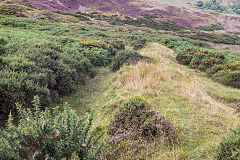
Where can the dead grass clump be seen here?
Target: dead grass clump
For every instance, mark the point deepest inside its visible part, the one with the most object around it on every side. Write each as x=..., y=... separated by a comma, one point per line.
x=135, y=120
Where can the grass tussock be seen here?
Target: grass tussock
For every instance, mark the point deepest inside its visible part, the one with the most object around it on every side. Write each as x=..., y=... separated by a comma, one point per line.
x=142, y=75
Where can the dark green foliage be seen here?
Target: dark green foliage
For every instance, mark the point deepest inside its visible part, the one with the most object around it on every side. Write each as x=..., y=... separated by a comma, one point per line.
x=185, y=56
x=49, y=134
x=229, y=75
x=135, y=119
x=137, y=42
x=97, y=56
x=126, y=57
x=229, y=148
x=147, y=21
x=115, y=46
x=220, y=5
x=213, y=63
x=20, y=87
x=11, y=10
x=213, y=27
x=214, y=69
x=46, y=69
x=205, y=59
x=113, y=22
x=3, y=42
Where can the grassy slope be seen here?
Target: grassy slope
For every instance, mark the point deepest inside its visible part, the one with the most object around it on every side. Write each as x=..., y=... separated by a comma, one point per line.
x=195, y=104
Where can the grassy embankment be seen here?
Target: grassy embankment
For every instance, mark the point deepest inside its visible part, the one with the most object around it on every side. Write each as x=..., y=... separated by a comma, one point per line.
x=198, y=107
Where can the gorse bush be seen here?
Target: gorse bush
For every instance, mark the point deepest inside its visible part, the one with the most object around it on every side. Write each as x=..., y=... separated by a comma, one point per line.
x=200, y=59
x=3, y=42
x=229, y=148
x=45, y=69
x=19, y=87
x=97, y=56
x=213, y=63
x=228, y=74
x=205, y=59
x=49, y=134
x=185, y=56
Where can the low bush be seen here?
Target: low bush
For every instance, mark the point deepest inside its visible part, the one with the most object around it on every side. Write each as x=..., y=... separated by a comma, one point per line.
x=185, y=56
x=135, y=119
x=20, y=87
x=97, y=56
x=49, y=134
x=229, y=75
x=44, y=69
x=214, y=69
x=3, y=42
x=126, y=57
x=213, y=27
x=229, y=148
x=213, y=63
x=205, y=59
x=137, y=42
x=11, y=10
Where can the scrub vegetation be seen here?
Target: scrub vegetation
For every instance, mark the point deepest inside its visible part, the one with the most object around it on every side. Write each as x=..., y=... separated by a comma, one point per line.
x=93, y=86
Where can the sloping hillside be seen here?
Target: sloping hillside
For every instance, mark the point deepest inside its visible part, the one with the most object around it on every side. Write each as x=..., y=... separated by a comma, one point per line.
x=185, y=16
x=136, y=89
x=192, y=103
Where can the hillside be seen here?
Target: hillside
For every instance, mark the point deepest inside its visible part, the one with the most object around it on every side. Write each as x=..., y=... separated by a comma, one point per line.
x=182, y=13
x=224, y=6
x=116, y=83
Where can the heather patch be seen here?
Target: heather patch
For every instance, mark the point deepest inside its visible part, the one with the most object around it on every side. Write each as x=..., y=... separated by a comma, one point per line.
x=136, y=120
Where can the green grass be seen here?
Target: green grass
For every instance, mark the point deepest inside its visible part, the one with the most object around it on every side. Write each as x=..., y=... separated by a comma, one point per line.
x=200, y=121
x=199, y=108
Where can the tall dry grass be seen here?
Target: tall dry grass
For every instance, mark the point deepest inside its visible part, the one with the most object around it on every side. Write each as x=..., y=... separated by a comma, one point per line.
x=142, y=75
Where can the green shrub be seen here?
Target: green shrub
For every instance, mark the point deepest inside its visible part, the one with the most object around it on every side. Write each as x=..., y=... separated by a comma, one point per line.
x=213, y=27
x=126, y=57
x=229, y=148
x=3, y=42
x=185, y=56
x=229, y=75
x=19, y=87
x=115, y=46
x=205, y=59
x=137, y=42
x=214, y=69
x=49, y=134
x=46, y=69
x=135, y=119
x=97, y=56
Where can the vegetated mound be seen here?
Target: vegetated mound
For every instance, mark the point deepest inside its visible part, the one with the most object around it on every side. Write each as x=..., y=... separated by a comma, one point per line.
x=137, y=121
x=126, y=57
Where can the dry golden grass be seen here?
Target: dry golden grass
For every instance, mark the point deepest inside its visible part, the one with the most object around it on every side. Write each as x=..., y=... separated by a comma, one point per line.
x=142, y=75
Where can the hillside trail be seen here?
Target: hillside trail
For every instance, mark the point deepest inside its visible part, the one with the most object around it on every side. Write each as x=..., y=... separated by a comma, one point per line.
x=187, y=82
x=86, y=95
x=178, y=92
